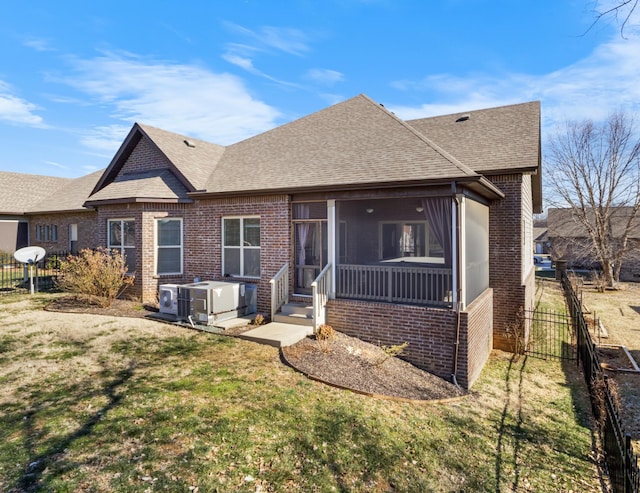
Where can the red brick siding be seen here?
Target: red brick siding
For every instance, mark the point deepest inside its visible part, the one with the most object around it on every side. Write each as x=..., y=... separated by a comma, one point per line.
x=513, y=288
x=87, y=230
x=144, y=157
x=478, y=336
x=203, y=239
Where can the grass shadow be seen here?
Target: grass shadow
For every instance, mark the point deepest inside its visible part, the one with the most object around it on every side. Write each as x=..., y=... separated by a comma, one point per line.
x=31, y=479
x=518, y=368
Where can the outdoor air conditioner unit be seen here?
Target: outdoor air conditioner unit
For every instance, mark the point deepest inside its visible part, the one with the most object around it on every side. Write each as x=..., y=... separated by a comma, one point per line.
x=168, y=299
x=208, y=302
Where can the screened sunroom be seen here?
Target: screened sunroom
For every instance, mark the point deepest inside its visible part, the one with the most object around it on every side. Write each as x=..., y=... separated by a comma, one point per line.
x=396, y=250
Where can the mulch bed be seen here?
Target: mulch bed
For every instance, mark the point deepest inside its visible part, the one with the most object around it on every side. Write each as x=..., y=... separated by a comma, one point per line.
x=348, y=362
x=83, y=304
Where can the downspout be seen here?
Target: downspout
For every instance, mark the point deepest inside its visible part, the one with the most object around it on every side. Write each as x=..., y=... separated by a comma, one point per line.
x=456, y=346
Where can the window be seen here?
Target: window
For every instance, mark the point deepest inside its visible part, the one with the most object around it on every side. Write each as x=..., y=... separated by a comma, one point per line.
x=241, y=246
x=122, y=237
x=169, y=246
x=73, y=238
x=47, y=232
x=399, y=240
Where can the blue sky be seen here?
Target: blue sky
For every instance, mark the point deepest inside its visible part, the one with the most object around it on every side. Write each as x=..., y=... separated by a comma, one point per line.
x=75, y=75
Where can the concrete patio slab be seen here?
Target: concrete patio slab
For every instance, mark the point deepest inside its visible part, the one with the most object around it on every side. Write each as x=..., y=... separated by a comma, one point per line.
x=277, y=334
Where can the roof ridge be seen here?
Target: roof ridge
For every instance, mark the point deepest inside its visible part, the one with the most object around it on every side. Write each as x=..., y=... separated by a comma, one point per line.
x=144, y=127
x=489, y=108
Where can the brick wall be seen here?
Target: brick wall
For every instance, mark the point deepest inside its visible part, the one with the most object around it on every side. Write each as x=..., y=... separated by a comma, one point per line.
x=203, y=239
x=144, y=157
x=430, y=332
x=478, y=318
x=87, y=230
x=510, y=276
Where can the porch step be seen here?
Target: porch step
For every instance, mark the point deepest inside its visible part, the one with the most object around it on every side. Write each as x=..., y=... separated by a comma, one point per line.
x=295, y=313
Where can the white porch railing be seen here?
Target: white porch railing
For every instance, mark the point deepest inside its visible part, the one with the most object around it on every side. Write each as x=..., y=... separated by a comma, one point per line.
x=395, y=284
x=279, y=289
x=320, y=294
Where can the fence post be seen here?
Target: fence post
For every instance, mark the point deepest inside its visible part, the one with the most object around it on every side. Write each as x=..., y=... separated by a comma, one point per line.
x=628, y=473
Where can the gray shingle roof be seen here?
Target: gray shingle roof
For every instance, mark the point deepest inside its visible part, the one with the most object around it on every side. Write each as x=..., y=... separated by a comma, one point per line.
x=489, y=140
x=20, y=192
x=356, y=142
x=69, y=197
x=157, y=184
x=193, y=158
x=492, y=141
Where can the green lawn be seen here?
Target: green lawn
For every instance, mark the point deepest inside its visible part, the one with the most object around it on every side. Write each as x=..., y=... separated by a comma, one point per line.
x=129, y=405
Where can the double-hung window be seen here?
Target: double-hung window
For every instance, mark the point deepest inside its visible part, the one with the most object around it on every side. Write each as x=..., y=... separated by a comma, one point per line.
x=241, y=246
x=169, y=246
x=122, y=237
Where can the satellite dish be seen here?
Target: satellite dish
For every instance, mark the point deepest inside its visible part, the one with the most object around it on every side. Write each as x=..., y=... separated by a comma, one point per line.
x=30, y=254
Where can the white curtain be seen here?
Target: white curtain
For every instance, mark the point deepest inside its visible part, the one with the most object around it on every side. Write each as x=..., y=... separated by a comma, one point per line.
x=302, y=212
x=438, y=213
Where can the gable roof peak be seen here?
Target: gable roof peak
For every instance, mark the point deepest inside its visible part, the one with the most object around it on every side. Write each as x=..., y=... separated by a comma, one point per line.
x=191, y=160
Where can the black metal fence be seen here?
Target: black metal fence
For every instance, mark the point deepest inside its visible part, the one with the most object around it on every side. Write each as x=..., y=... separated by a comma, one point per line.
x=16, y=276
x=550, y=335
x=622, y=462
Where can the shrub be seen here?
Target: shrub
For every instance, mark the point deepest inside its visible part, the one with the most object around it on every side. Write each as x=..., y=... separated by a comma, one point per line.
x=515, y=331
x=100, y=274
x=324, y=336
x=390, y=352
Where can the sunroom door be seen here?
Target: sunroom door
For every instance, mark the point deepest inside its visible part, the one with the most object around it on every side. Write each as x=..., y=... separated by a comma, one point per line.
x=310, y=253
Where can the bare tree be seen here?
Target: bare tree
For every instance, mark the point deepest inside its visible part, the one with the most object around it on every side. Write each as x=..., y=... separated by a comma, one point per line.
x=594, y=170
x=621, y=10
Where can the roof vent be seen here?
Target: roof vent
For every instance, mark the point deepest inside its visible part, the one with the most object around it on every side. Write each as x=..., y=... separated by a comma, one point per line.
x=188, y=143
x=463, y=118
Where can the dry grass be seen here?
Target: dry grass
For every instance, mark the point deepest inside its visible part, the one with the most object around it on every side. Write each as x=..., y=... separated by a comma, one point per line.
x=619, y=311
x=97, y=403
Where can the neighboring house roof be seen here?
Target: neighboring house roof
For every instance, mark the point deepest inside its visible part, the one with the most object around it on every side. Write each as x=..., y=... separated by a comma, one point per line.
x=19, y=192
x=70, y=197
x=540, y=234
x=352, y=144
x=561, y=223
x=492, y=141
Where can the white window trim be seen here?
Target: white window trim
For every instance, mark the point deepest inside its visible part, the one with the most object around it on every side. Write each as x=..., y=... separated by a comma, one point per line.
x=157, y=247
x=121, y=221
x=241, y=247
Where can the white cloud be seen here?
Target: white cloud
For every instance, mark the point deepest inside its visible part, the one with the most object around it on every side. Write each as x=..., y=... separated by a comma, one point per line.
x=56, y=165
x=267, y=40
x=182, y=98
x=16, y=110
x=105, y=140
x=325, y=76
x=38, y=44
x=605, y=81
x=285, y=39
x=242, y=62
